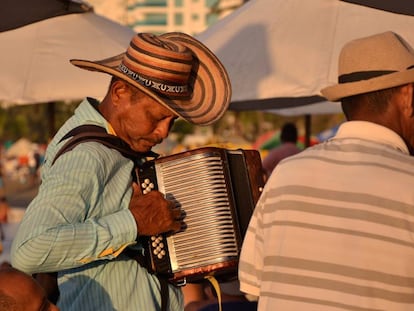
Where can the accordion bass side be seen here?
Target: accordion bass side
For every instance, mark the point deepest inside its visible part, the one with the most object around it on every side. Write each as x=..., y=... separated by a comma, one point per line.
x=217, y=189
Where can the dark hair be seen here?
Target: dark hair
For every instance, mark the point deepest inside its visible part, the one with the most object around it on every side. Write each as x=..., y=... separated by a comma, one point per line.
x=375, y=102
x=289, y=133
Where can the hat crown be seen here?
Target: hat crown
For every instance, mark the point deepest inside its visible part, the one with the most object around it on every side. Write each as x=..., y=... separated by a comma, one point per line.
x=176, y=70
x=382, y=52
x=373, y=63
x=162, y=65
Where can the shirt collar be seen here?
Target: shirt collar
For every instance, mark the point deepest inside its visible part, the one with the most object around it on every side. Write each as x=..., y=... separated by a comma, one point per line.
x=371, y=131
x=111, y=129
x=94, y=103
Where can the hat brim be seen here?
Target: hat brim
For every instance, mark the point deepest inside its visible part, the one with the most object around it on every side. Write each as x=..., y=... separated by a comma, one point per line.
x=211, y=85
x=338, y=91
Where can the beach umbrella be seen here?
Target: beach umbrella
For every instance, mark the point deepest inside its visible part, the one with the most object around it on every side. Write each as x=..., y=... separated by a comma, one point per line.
x=271, y=140
x=35, y=52
x=280, y=53
x=39, y=37
x=21, y=147
x=265, y=138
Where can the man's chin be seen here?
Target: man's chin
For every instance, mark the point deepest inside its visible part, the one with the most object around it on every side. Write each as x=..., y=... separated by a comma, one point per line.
x=144, y=147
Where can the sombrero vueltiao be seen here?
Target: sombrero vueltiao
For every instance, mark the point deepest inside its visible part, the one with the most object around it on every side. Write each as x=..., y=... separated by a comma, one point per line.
x=372, y=63
x=176, y=70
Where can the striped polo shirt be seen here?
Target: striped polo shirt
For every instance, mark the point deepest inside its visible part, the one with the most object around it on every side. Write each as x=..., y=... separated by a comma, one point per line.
x=334, y=227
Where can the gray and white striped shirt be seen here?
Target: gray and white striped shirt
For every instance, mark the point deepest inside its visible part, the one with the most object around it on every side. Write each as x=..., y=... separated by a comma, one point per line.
x=334, y=228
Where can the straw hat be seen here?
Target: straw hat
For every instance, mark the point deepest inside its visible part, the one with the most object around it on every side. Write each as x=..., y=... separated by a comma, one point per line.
x=370, y=64
x=176, y=70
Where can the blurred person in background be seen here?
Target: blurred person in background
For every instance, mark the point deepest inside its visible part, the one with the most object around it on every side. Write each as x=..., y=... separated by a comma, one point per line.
x=4, y=206
x=288, y=147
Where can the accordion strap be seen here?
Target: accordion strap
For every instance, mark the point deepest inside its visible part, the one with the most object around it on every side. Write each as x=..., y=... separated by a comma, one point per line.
x=90, y=132
x=164, y=292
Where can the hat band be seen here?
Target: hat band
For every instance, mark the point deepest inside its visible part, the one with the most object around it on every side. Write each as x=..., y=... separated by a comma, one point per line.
x=362, y=75
x=365, y=75
x=160, y=87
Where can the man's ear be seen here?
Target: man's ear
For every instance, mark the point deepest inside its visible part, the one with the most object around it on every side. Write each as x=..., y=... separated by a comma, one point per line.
x=119, y=91
x=404, y=100
x=409, y=93
x=411, y=99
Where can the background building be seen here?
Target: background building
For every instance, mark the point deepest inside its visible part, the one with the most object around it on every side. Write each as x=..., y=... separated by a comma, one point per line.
x=160, y=16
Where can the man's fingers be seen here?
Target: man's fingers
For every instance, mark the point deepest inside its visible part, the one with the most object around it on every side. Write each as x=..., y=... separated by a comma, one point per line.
x=177, y=213
x=136, y=188
x=154, y=213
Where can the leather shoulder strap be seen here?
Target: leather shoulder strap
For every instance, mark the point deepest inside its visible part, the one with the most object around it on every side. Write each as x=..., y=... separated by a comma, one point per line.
x=89, y=132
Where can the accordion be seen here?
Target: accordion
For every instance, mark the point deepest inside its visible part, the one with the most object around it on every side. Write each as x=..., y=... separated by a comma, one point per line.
x=217, y=189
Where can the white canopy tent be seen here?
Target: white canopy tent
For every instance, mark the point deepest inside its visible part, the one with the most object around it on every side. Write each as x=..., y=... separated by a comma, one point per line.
x=280, y=53
x=35, y=58
x=36, y=48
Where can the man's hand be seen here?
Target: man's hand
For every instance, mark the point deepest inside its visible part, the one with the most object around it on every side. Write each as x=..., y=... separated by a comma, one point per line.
x=153, y=213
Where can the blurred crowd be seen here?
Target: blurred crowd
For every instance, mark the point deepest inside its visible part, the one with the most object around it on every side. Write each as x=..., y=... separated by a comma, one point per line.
x=21, y=160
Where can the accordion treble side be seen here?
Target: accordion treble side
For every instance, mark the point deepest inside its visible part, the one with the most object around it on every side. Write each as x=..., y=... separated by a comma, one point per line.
x=217, y=189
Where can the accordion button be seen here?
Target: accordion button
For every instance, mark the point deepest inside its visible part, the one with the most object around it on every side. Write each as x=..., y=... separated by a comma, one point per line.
x=161, y=245
x=147, y=181
x=159, y=256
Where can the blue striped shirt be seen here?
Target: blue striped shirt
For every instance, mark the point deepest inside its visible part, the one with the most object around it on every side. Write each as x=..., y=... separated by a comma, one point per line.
x=79, y=223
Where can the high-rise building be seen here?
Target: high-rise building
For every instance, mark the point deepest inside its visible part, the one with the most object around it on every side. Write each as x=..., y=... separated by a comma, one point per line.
x=159, y=16
x=223, y=7
x=112, y=9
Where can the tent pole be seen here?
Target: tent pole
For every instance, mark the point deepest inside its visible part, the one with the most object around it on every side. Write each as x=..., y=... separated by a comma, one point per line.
x=307, y=130
x=51, y=118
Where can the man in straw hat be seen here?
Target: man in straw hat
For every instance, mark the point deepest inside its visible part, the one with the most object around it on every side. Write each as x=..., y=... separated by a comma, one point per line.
x=88, y=214
x=333, y=229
